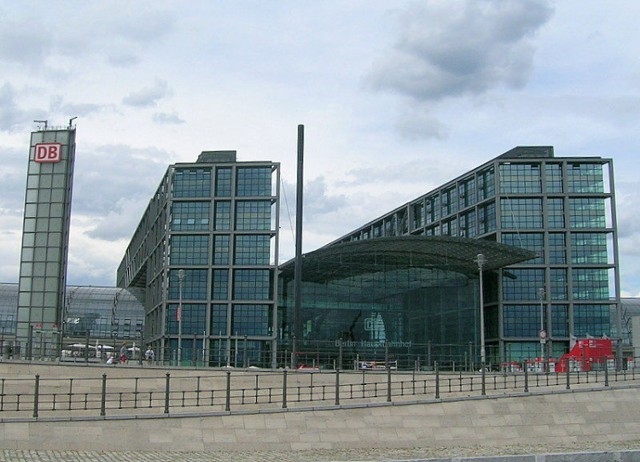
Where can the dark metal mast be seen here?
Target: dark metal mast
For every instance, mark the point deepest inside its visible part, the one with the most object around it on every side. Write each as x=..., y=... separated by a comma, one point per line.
x=297, y=321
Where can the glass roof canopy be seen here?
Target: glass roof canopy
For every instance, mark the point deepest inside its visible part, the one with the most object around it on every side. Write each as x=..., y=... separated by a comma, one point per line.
x=388, y=253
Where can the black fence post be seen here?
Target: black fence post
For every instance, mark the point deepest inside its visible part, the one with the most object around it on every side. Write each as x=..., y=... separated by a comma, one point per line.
x=227, y=404
x=103, y=396
x=30, y=343
x=257, y=389
x=167, y=393
x=526, y=377
x=337, y=387
x=413, y=382
x=606, y=374
x=484, y=381
x=388, y=382
x=435, y=366
x=36, y=395
x=284, y=389
x=568, y=364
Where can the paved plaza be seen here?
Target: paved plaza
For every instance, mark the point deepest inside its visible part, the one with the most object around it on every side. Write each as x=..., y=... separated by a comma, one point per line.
x=587, y=451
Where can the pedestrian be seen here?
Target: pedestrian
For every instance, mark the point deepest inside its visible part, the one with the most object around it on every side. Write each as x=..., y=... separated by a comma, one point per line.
x=123, y=354
x=149, y=355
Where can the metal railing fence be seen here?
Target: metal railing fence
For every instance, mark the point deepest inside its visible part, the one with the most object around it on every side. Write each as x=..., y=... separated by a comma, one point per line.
x=246, y=390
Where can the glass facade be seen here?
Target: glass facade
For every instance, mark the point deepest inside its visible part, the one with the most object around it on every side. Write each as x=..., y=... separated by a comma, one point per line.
x=107, y=315
x=560, y=208
x=413, y=297
x=210, y=283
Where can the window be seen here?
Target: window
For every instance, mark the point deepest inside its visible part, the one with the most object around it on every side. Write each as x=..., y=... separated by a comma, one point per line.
x=254, y=181
x=223, y=182
x=222, y=215
x=252, y=285
x=252, y=250
x=390, y=226
x=218, y=319
x=557, y=249
x=559, y=320
x=417, y=212
x=554, y=178
x=585, y=178
x=555, y=213
x=487, y=218
x=467, y=223
x=524, y=286
x=253, y=215
x=590, y=284
x=520, y=178
x=192, y=182
x=529, y=241
x=592, y=320
x=558, y=281
x=521, y=320
x=221, y=249
x=193, y=317
x=220, y=285
x=467, y=193
x=433, y=208
x=189, y=250
x=521, y=213
x=251, y=320
x=486, y=186
x=587, y=213
x=449, y=201
x=194, y=284
x=589, y=248
x=190, y=216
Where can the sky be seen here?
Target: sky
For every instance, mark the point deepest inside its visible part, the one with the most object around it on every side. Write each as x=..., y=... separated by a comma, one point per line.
x=397, y=97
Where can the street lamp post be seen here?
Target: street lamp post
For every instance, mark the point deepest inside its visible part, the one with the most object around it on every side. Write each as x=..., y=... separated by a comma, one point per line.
x=481, y=260
x=180, y=281
x=543, y=334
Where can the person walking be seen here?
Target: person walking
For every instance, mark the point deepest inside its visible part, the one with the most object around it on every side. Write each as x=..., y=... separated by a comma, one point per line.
x=149, y=355
x=123, y=353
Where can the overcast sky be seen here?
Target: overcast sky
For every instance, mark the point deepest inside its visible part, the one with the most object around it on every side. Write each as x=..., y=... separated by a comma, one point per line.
x=397, y=97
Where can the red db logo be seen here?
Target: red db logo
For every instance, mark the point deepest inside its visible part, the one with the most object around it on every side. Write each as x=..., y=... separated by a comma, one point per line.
x=48, y=152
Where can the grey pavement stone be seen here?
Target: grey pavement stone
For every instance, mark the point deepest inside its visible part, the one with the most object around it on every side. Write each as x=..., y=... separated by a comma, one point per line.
x=316, y=455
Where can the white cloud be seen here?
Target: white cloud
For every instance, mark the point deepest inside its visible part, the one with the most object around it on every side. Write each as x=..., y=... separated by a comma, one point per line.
x=167, y=118
x=149, y=96
x=461, y=47
x=11, y=116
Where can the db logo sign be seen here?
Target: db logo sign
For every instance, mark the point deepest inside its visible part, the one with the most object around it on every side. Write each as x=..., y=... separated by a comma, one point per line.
x=48, y=152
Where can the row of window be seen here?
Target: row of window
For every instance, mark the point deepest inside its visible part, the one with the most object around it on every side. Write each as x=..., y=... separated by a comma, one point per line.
x=194, y=216
x=191, y=250
x=196, y=182
x=588, y=284
x=246, y=284
x=586, y=248
x=526, y=320
x=245, y=319
x=528, y=213
x=519, y=178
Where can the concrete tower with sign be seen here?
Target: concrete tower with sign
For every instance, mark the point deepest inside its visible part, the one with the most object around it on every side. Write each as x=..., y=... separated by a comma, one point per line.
x=45, y=240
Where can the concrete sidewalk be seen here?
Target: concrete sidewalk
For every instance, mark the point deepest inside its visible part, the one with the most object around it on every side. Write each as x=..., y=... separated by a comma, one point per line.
x=360, y=455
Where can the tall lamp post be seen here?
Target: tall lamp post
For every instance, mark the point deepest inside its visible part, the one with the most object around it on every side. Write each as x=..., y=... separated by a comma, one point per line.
x=481, y=260
x=179, y=315
x=543, y=333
